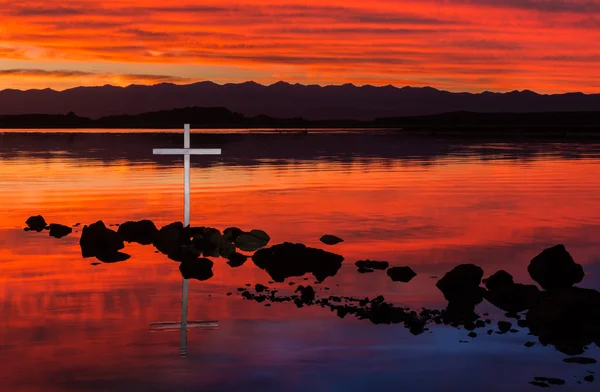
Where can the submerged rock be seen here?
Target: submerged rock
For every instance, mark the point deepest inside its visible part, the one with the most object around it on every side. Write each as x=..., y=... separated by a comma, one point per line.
x=200, y=269
x=555, y=269
x=59, y=231
x=99, y=241
x=249, y=242
x=363, y=270
x=143, y=232
x=286, y=260
x=113, y=257
x=36, y=223
x=401, y=274
x=372, y=264
x=329, y=239
x=550, y=380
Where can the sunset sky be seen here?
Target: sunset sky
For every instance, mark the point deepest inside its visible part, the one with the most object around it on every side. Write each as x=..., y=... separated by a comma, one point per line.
x=549, y=46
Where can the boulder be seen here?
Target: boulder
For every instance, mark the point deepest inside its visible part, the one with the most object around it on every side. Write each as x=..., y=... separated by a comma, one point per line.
x=143, y=232
x=498, y=280
x=171, y=237
x=230, y=234
x=401, y=274
x=36, y=223
x=236, y=259
x=249, y=242
x=288, y=259
x=59, y=231
x=461, y=284
x=184, y=253
x=113, y=257
x=329, y=239
x=372, y=264
x=200, y=269
x=555, y=269
x=568, y=318
x=509, y=296
x=99, y=241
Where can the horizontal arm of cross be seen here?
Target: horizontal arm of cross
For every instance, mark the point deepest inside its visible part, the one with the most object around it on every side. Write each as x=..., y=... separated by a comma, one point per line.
x=186, y=151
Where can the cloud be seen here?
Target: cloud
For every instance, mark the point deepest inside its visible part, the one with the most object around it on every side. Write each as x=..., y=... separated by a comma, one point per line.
x=80, y=74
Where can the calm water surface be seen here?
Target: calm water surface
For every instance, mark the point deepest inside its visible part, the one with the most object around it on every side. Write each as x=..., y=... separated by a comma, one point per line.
x=66, y=325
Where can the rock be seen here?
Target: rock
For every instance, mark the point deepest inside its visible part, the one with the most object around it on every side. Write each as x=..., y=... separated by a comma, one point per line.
x=401, y=274
x=362, y=270
x=498, y=280
x=200, y=269
x=59, y=231
x=529, y=344
x=260, y=288
x=286, y=260
x=472, y=334
x=99, y=241
x=513, y=298
x=504, y=326
x=372, y=264
x=550, y=380
x=230, y=234
x=539, y=384
x=171, y=237
x=555, y=269
x=36, y=223
x=249, y=242
x=307, y=294
x=226, y=249
x=184, y=253
x=328, y=239
x=580, y=360
x=569, y=319
x=261, y=235
x=143, y=232
x=461, y=284
x=208, y=240
x=113, y=257
x=236, y=259
x=589, y=378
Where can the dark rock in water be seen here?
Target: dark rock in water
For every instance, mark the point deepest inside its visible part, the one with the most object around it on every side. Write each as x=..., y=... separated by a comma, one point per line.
x=539, y=384
x=200, y=269
x=208, y=240
x=529, y=344
x=99, y=241
x=36, y=223
x=260, y=288
x=236, y=259
x=184, y=253
x=372, y=264
x=498, y=280
x=504, y=326
x=307, y=294
x=59, y=231
x=569, y=319
x=143, y=232
x=362, y=270
x=171, y=237
x=329, y=239
x=589, y=378
x=113, y=257
x=580, y=360
x=550, y=380
x=401, y=274
x=513, y=298
x=95, y=263
x=226, y=249
x=286, y=260
x=554, y=269
x=472, y=334
x=249, y=242
x=230, y=234
x=461, y=284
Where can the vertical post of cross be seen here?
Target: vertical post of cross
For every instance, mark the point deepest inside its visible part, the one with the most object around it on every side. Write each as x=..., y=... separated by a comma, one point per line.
x=186, y=223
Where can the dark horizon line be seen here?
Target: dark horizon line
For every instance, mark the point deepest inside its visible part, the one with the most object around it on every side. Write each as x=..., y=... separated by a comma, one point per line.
x=281, y=82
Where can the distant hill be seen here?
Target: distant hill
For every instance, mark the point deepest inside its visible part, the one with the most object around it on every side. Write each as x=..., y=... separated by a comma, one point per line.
x=219, y=117
x=285, y=100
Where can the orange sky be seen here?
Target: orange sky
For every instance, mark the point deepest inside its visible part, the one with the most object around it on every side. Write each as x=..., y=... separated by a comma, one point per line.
x=457, y=45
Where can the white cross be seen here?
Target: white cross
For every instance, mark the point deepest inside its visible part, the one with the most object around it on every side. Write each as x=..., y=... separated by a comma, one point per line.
x=186, y=151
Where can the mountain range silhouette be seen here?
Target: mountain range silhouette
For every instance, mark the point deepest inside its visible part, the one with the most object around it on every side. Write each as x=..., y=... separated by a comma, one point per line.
x=284, y=100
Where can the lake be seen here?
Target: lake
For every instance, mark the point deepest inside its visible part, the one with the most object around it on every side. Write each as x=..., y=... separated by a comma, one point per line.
x=68, y=325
